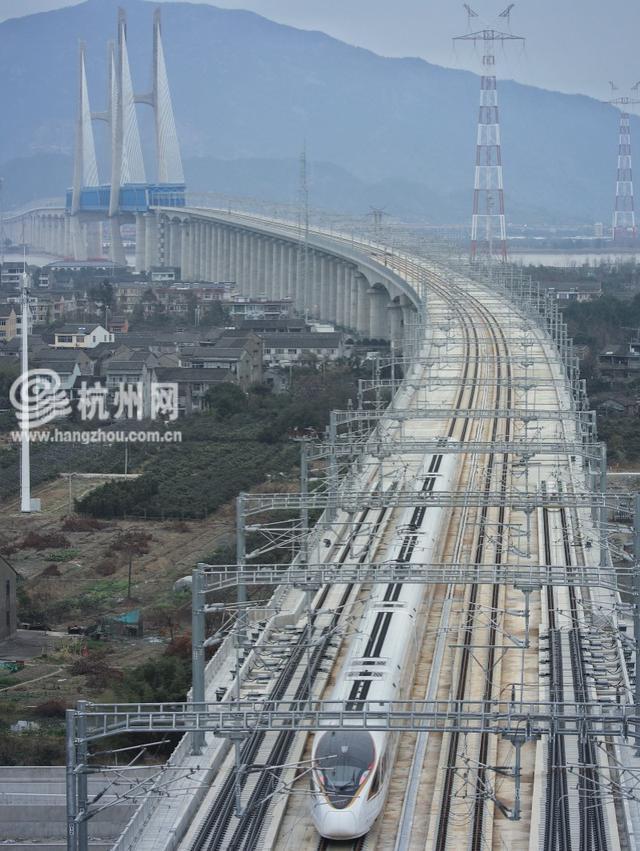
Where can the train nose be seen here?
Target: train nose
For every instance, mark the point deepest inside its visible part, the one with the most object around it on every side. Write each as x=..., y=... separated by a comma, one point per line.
x=337, y=825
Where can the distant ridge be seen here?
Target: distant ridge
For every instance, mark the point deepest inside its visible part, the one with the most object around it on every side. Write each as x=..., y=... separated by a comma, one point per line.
x=394, y=132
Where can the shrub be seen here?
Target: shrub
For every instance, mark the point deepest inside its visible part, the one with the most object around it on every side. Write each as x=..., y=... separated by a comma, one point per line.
x=74, y=523
x=180, y=646
x=179, y=526
x=98, y=672
x=106, y=567
x=50, y=709
x=133, y=540
x=63, y=555
x=44, y=540
x=51, y=570
x=166, y=679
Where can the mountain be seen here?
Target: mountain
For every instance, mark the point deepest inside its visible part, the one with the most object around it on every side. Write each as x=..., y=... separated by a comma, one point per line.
x=248, y=91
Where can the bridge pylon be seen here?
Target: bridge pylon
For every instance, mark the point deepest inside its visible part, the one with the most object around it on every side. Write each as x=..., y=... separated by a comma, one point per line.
x=129, y=194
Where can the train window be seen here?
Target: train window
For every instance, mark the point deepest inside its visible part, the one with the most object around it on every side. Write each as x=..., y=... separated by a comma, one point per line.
x=375, y=783
x=343, y=761
x=378, y=780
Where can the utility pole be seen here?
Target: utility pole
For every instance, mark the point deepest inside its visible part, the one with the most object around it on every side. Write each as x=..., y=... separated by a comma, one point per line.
x=377, y=214
x=303, y=218
x=25, y=444
x=2, y=236
x=488, y=222
x=624, y=217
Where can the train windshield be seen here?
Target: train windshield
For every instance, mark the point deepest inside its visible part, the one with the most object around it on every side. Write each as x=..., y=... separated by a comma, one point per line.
x=343, y=761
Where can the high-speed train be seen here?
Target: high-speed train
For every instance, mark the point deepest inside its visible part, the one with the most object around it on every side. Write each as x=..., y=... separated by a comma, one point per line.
x=351, y=770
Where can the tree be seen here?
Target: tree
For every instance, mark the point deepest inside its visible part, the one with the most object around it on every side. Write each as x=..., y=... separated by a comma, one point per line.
x=215, y=316
x=226, y=399
x=132, y=543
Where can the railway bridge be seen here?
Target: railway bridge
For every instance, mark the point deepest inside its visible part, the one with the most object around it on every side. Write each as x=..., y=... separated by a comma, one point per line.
x=451, y=593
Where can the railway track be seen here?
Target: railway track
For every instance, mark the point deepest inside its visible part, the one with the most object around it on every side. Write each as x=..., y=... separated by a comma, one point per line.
x=222, y=832
x=561, y=832
x=222, y=829
x=350, y=845
x=441, y=843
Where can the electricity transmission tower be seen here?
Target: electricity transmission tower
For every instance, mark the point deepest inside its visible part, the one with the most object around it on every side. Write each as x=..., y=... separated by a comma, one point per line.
x=488, y=223
x=624, y=217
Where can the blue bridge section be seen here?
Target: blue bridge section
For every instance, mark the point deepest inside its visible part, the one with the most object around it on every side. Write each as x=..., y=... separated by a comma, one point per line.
x=134, y=197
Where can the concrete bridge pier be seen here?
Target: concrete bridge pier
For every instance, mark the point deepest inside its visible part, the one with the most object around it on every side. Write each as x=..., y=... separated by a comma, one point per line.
x=244, y=261
x=378, y=299
x=363, y=310
x=93, y=239
x=117, y=248
x=80, y=249
x=210, y=253
x=68, y=238
x=254, y=264
x=185, y=259
x=409, y=319
x=237, y=254
x=325, y=283
x=351, y=315
x=141, y=240
x=217, y=253
x=151, y=240
x=395, y=322
x=175, y=245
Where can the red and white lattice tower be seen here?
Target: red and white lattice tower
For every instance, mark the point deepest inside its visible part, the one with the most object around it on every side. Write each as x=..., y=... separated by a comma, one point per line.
x=624, y=216
x=488, y=224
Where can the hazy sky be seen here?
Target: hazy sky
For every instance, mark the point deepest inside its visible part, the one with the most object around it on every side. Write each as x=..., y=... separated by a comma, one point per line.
x=572, y=45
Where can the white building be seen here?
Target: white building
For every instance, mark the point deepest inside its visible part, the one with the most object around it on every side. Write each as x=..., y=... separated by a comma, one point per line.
x=82, y=336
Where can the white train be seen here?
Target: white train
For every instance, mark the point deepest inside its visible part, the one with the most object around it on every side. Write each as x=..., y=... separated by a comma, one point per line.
x=351, y=770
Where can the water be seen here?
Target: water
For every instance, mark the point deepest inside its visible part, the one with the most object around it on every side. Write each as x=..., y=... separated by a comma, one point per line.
x=568, y=260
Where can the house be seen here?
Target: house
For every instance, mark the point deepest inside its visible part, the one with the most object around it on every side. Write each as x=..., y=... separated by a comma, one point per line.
x=89, y=271
x=165, y=274
x=16, y=300
x=118, y=325
x=11, y=274
x=620, y=361
x=287, y=349
x=8, y=600
x=577, y=291
x=70, y=364
x=129, y=294
x=618, y=406
x=81, y=336
x=47, y=308
x=238, y=352
x=289, y=325
x=8, y=323
x=132, y=374
x=193, y=385
x=242, y=308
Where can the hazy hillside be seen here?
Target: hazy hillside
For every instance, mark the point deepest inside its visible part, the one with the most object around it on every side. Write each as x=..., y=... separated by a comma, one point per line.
x=397, y=132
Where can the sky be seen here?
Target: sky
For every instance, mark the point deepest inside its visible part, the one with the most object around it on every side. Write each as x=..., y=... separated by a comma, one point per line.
x=571, y=46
